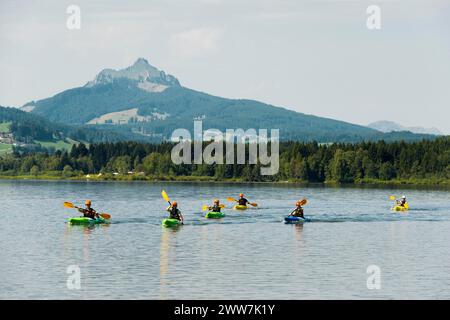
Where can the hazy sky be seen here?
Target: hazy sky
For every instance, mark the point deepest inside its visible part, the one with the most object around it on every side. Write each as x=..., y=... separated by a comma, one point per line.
x=316, y=56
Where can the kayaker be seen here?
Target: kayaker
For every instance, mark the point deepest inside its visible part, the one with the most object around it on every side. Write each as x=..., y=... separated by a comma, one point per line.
x=175, y=213
x=89, y=212
x=402, y=202
x=215, y=207
x=242, y=201
x=298, y=211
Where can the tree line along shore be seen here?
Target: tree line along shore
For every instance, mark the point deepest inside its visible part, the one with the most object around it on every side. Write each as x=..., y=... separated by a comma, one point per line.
x=426, y=162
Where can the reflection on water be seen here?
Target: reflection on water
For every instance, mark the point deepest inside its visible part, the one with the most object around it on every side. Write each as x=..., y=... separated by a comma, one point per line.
x=247, y=255
x=85, y=232
x=167, y=256
x=298, y=231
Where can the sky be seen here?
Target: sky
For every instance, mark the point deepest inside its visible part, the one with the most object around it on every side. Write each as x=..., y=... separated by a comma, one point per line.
x=312, y=56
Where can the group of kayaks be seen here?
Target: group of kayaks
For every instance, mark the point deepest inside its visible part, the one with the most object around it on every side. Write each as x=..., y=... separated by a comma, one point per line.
x=209, y=215
x=400, y=206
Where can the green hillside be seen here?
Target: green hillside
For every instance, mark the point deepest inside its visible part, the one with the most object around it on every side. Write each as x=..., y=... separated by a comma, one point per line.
x=5, y=127
x=5, y=148
x=29, y=128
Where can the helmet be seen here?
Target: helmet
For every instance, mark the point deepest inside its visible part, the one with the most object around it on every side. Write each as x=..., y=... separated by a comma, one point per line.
x=241, y=195
x=298, y=203
x=216, y=201
x=174, y=204
x=87, y=202
x=403, y=197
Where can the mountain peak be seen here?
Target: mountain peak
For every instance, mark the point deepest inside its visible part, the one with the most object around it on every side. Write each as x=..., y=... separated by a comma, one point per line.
x=391, y=126
x=141, y=61
x=146, y=76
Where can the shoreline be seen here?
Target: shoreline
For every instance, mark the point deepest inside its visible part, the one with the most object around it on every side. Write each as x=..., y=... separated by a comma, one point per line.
x=427, y=183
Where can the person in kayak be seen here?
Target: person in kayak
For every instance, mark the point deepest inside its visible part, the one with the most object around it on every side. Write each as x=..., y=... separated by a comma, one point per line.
x=298, y=211
x=89, y=212
x=174, y=212
x=402, y=202
x=242, y=201
x=215, y=207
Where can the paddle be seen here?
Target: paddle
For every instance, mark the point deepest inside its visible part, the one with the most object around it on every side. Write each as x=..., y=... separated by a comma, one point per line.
x=392, y=198
x=166, y=198
x=206, y=207
x=72, y=206
x=233, y=199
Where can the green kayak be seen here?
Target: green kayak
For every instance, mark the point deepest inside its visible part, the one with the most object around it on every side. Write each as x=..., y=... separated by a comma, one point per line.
x=86, y=221
x=171, y=222
x=214, y=215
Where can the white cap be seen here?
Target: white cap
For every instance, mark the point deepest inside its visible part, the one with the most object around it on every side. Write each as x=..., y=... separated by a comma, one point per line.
x=403, y=197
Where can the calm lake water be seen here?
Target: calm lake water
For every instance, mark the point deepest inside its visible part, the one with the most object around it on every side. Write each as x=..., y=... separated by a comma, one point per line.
x=246, y=255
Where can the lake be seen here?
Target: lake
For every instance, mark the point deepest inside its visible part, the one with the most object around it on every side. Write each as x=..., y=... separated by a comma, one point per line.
x=247, y=255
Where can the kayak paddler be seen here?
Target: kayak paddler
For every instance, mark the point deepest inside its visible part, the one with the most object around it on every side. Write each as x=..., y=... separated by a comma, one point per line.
x=242, y=201
x=89, y=212
x=402, y=201
x=174, y=212
x=215, y=207
x=298, y=211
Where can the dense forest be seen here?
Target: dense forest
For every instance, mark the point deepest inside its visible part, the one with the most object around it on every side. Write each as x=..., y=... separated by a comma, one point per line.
x=416, y=162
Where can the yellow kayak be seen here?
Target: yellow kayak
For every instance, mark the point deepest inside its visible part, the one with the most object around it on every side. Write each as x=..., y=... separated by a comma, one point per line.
x=239, y=207
x=400, y=208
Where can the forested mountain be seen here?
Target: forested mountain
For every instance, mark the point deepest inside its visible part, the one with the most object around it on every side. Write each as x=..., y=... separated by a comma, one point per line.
x=142, y=101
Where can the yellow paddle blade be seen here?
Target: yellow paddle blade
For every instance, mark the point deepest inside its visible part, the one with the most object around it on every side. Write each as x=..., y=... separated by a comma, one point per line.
x=165, y=196
x=392, y=198
x=222, y=206
x=105, y=215
x=68, y=205
x=231, y=199
x=254, y=204
x=406, y=205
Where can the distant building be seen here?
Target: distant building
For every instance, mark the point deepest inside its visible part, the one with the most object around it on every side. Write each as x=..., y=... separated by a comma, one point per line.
x=6, y=138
